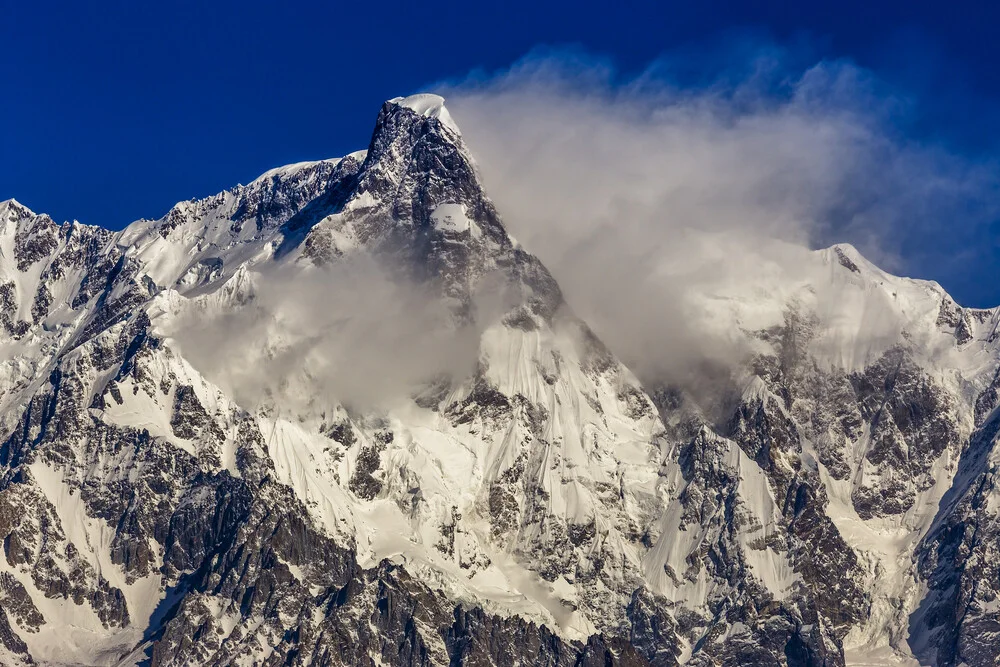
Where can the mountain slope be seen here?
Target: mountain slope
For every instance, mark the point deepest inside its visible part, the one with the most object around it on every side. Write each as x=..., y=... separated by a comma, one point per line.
x=339, y=416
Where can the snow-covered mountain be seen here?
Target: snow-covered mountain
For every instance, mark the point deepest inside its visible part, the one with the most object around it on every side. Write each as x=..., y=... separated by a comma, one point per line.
x=194, y=471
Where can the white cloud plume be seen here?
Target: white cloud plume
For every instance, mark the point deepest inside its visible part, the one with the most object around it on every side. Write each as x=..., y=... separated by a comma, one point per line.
x=347, y=332
x=643, y=196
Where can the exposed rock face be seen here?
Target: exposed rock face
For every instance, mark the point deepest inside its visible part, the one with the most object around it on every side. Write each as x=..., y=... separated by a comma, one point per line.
x=957, y=621
x=538, y=508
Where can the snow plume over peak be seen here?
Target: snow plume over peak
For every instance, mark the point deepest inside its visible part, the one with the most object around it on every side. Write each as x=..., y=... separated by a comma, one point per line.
x=674, y=194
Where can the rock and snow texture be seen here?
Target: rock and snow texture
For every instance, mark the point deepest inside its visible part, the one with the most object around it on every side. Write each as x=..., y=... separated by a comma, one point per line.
x=536, y=505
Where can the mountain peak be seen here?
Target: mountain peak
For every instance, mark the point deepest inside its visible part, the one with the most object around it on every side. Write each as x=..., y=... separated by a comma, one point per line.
x=850, y=258
x=14, y=205
x=427, y=105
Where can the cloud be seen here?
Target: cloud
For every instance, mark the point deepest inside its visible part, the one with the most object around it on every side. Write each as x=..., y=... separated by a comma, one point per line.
x=347, y=332
x=645, y=195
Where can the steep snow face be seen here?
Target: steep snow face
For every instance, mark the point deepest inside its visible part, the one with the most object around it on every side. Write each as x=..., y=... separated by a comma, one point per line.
x=860, y=393
x=524, y=486
x=531, y=505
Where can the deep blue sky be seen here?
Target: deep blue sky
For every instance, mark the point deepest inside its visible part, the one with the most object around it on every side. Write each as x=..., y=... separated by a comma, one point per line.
x=113, y=111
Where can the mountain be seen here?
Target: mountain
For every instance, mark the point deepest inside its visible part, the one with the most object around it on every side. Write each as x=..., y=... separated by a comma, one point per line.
x=340, y=416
